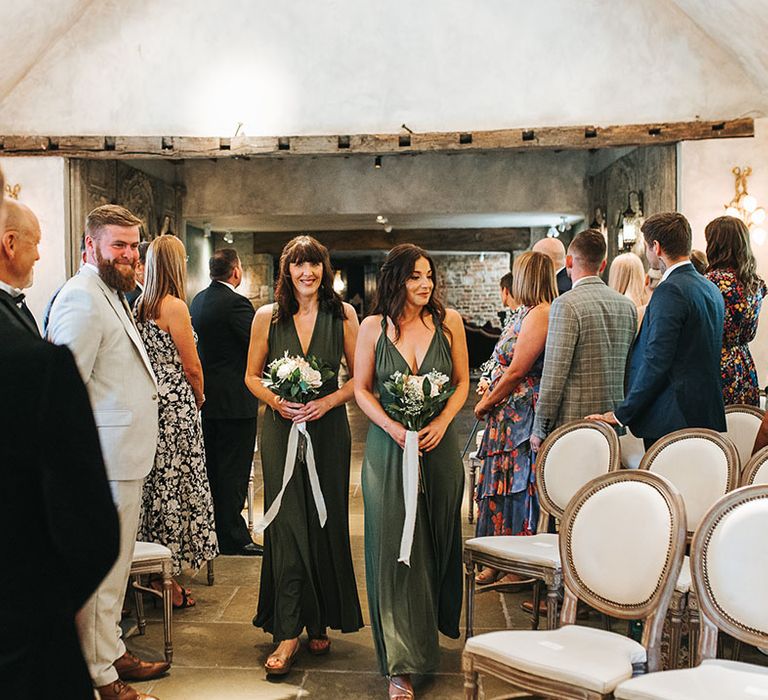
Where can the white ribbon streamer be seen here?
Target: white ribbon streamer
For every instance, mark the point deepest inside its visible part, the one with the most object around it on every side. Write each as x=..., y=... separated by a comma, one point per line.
x=410, y=493
x=288, y=469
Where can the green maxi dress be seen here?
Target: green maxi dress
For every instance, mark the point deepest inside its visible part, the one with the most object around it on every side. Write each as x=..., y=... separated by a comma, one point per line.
x=408, y=605
x=307, y=578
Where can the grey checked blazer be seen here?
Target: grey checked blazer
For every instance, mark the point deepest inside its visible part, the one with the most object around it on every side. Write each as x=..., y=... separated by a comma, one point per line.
x=591, y=329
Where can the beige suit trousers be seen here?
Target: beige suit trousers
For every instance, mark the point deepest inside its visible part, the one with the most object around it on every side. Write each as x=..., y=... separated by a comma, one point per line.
x=99, y=619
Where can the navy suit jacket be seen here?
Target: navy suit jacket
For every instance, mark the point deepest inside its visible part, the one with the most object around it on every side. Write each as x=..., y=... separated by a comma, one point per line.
x=674, y=371
x=564, y=283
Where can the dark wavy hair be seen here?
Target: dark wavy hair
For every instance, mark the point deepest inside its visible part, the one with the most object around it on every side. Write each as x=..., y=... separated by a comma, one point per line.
x=729, y=248
x=300, y=250
x=390, y=290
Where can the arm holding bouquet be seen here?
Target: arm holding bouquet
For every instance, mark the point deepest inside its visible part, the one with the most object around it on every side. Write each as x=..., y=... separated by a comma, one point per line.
x=530, y=345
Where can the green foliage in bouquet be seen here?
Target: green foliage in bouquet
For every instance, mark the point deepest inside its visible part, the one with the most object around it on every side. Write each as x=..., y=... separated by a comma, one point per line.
x=296, y=378
x=418, y=398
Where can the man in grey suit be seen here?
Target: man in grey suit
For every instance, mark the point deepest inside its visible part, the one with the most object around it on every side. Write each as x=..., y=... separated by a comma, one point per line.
x=590, y=334
x=90, y=316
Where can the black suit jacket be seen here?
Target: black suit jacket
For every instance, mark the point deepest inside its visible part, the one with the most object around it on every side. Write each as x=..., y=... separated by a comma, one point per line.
x=222, y=319
x=14, y=316
x=133, y=295
x=674, y=371
x=59, y=524
x=564, y=283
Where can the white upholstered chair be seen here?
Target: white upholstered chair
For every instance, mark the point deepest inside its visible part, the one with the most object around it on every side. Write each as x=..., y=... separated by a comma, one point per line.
x=756, y=469
x=703, y=465
x=150, y=558
x=474, y=464
x=572, y=455
x=742, y=423
x=619, y=568
x=726, y=542
x=632, y=450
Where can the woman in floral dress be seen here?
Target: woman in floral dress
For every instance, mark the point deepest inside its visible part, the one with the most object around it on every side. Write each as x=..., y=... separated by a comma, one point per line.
x=176, y=508
x=732, y=268
x=506, y=496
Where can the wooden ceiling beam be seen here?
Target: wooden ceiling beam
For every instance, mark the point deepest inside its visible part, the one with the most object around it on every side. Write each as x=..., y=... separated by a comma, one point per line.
x=553, y=138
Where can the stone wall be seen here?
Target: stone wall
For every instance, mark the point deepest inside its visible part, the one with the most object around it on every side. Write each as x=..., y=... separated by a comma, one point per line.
x=470, y=283
x=258, y=271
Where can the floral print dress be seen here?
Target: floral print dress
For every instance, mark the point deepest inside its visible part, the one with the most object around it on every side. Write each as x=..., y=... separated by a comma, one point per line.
x=176, y=507
x=506, y=495
x=742, y=308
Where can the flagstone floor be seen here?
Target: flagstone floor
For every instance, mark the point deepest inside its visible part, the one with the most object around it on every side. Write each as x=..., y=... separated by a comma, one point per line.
x=219, y=655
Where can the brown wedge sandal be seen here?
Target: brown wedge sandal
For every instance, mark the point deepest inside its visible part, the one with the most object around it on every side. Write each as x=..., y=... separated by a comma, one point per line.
x=398, y=690
x=283, y=665
x=319, y=646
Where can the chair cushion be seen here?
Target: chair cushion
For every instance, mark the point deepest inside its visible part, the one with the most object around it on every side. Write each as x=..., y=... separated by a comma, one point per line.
x=540, y=549
x=715, y=679
x=143, y=551
x=581, y=656
x=684, y=581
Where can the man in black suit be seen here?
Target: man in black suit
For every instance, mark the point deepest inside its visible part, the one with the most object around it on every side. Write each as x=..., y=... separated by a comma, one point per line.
x=55, y=505
x=554, y=249
x=674, y=372
x=222, y=319
x=18, y=253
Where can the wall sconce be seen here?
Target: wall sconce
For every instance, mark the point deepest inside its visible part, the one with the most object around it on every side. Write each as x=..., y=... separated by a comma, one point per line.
x=13, y=192
x=339, y=285
x=630, y=222
x=744, y=206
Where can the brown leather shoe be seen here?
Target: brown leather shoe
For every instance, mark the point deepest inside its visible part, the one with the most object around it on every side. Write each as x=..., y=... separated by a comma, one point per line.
x=120, y=691
x=131, y=668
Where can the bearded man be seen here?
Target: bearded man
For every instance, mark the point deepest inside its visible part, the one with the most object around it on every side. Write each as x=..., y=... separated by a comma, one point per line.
x=90, y=316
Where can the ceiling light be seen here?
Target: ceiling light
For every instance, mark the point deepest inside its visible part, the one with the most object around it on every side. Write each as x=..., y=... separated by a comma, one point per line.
x=229, y=238
x=381, y=219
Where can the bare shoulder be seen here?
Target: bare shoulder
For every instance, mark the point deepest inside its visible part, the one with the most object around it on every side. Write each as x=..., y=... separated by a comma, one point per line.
x=264, y=312
x=349, y=312
x=370, y=327
x=453, y=319
x=540, y=312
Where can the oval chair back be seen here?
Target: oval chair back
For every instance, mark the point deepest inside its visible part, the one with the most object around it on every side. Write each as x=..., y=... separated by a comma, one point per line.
x=702, y=464
x=730, y=571
x=622, y=544
x=742, y=423
x=572, y=455
x=756, y=469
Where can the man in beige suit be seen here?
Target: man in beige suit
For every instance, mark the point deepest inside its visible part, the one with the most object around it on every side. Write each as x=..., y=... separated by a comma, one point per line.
x=590, y=334
x=91, y=317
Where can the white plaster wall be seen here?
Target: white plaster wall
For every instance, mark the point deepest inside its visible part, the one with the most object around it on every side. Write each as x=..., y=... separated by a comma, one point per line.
x=707, y=184
x=43, y=189
x=352, y=66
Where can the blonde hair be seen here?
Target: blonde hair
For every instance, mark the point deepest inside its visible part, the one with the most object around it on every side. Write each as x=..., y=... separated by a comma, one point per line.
x=109, y=215
x=533, y=279
x=627, y=277
x=165, y=274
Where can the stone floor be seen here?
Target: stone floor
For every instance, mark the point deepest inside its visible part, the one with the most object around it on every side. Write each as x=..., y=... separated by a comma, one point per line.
x=218, y=654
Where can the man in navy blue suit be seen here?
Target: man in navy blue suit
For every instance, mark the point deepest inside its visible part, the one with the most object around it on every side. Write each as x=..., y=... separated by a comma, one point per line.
x=674, y=371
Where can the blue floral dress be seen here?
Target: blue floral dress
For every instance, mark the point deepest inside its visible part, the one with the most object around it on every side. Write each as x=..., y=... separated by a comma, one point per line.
x=506, y=495
x=742, y=309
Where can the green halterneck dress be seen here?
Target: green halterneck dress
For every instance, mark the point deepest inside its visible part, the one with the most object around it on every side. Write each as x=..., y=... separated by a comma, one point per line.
x=307, y=579
x=408, y=605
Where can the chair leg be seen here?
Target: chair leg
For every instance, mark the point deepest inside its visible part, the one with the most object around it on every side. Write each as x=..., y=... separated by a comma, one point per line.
x=470, y=679
x=694, y=629
x=138, y=599
x=471, y=494
x=536, y=602
x=552, y=591
x=209, y=565
x=675, y=616
x=469, y=612
x=167, y=610
x=250, y=502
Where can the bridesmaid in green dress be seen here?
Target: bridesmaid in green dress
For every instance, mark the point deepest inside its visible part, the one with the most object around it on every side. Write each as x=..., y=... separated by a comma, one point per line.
x=307, y=579
x=411, y=331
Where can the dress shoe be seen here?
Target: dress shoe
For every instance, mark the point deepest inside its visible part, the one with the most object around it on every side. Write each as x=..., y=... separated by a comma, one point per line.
x=249, y=550
x=120, y=691
x=132, y=668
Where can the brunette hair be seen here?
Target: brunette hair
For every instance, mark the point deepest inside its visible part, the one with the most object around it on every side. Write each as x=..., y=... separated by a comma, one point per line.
x=627, y=277
x=672, y=232
x=109, y=215
x=729, y=248
x=390, y=289
x=506, y=282
x=165, y=274
x=222, y=263
x=589, y=246
x=300, y=250
x=534, y=279
x=699, y=260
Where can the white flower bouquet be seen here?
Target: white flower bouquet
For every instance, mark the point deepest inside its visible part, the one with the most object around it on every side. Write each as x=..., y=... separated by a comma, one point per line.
x=299, y=380
x=296, y=378
x=418, y=398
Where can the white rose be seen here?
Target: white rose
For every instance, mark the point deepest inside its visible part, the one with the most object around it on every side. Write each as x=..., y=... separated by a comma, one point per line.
x=285, y=368
x=416, y=385
x=435, y=389
x=313, y=378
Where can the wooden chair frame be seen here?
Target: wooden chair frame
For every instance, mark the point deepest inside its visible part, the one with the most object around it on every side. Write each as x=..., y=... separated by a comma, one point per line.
x=652, y=611
x=751, y=468
x=686, y=602
x=550, y=576
x=164, y=567
x=745, y=408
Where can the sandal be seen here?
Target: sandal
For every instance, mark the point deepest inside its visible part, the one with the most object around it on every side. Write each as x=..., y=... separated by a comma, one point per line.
x=187, y=601
x=397, y=690
x=283, y=665
x=318, y=646
x=487, y=576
